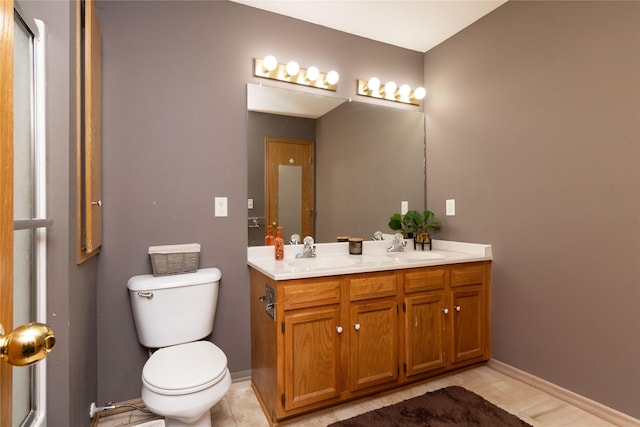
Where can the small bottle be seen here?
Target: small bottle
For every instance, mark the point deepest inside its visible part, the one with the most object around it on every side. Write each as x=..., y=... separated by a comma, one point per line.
x=269, y=239
x=279, y=242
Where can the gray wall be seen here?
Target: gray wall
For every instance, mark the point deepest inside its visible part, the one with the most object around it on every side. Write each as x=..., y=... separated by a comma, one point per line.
x=174, y=137
x=71, y=293
x=533, y=126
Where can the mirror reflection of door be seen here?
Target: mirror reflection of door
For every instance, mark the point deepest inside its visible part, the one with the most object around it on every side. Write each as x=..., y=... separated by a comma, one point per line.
x=289, y=198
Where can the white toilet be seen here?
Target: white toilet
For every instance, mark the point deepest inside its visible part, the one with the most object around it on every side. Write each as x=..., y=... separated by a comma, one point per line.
x=185, y=377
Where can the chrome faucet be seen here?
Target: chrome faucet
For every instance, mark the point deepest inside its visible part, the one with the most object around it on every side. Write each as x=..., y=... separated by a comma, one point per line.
x=398, y=243
x=309, y=249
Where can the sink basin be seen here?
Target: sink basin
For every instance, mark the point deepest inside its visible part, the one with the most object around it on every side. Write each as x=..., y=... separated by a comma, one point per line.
x=320, y=263
x=414, y=256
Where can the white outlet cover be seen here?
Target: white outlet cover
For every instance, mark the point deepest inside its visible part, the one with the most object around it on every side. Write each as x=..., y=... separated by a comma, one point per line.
x=451, y=207
x=221, y=206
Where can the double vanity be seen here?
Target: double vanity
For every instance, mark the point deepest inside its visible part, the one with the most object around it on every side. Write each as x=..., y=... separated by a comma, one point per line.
x=336, y=327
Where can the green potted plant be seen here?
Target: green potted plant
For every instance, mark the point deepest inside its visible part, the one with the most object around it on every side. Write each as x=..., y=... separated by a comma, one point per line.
x=403, y=224
x=415, y=224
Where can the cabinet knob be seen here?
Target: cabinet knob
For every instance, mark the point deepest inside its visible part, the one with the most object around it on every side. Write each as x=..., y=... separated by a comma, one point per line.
x=339, y=329
x=457, y=307
x=445, y=310
x=357, y=326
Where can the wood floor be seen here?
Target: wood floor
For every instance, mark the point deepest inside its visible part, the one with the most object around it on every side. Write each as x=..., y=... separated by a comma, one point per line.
x=539, y=408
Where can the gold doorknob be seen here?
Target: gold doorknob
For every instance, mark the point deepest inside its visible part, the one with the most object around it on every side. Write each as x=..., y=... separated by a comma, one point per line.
x=27, y=344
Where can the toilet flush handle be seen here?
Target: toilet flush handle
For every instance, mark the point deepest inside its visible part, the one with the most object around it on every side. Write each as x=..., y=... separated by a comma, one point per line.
x=148, y=295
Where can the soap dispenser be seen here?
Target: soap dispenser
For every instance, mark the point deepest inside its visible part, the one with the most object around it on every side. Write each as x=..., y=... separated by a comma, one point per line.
x=269, y=239
x=279, y=242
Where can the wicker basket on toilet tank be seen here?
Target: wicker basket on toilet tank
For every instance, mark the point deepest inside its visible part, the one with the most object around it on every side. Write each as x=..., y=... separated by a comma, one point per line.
x=174, y=259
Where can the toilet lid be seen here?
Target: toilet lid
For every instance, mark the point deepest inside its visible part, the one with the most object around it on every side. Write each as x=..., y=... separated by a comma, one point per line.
x=184, y=368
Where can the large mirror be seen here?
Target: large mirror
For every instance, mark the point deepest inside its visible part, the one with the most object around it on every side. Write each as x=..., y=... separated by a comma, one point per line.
x=366, y=159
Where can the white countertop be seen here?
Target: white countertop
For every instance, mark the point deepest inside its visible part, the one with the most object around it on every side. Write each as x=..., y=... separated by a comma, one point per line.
x=334, y=259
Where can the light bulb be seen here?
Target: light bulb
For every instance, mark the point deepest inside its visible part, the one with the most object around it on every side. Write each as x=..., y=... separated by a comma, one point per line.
x=373, y=84
x=312, y=74
x=292, y=68
x=419, y=93
x=333, y=77
x=389, y=89
x=270, y=63
x=405, y=91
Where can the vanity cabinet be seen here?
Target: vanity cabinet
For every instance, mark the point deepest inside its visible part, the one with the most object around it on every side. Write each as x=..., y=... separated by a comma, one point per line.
x=341, y=337
x=373, y=348
x=424, y=308
x=311, y=330
x=469, y=317
x=446, y=318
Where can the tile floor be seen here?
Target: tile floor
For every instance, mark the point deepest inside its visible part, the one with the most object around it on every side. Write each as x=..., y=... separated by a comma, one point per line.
x=241, y=408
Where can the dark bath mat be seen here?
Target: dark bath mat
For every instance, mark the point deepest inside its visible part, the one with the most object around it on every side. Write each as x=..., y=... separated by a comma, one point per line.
x=449, y=406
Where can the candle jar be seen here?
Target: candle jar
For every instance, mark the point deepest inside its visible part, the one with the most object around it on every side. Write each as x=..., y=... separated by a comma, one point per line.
x=355, y=246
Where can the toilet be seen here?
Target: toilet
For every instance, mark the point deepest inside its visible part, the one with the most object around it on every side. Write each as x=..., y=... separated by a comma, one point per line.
x=185, y=377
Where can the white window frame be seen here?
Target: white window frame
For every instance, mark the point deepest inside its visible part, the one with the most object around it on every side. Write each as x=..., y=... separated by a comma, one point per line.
x=38, y=416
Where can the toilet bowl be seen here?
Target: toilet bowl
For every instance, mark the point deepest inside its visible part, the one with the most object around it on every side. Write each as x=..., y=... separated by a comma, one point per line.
x=185, y=377
x=183, y=382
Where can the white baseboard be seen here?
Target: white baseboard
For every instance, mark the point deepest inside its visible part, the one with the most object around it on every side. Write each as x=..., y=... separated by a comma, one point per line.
x=241, y=376
x=598, y=409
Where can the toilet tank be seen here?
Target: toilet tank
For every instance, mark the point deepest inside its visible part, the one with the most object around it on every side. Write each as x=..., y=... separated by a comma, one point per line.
x=175, y=309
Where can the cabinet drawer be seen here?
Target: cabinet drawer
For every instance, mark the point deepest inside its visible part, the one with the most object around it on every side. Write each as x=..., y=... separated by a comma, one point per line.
x=470, y=274
x=426, y=279
x=311, y=294
x=367, y=286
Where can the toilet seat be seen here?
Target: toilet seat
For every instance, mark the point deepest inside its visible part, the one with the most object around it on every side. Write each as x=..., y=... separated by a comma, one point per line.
x=184, y=368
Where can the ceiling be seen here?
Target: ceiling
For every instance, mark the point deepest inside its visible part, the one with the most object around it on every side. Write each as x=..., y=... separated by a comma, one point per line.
x=412, y=24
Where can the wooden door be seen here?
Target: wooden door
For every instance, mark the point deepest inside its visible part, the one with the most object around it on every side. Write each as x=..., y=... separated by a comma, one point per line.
x=374, y=344
x=93, y=127
x=311, y=356
x=6, y=201
x=282, y=155
x=468, y=331
x=424, y=333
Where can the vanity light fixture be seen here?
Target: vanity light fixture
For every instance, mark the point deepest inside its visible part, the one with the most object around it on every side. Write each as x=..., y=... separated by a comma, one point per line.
x=373, y=84
x=390, y=91
x=333, y=77
x=313, y=73
x=269, y=68
x=292, y=68
x=404, y=91
x=269, y=63
x=419, y=93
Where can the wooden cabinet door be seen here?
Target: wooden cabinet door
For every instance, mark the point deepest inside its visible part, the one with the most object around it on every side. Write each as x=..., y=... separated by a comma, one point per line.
x=468, y=329
x=424, y=332
x=311, y=356
x=374, y=343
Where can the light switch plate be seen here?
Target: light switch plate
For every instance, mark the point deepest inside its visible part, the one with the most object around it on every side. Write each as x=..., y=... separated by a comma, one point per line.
x=221, y=206
x=451, y=207
x=404, y=207
x=249, y=203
